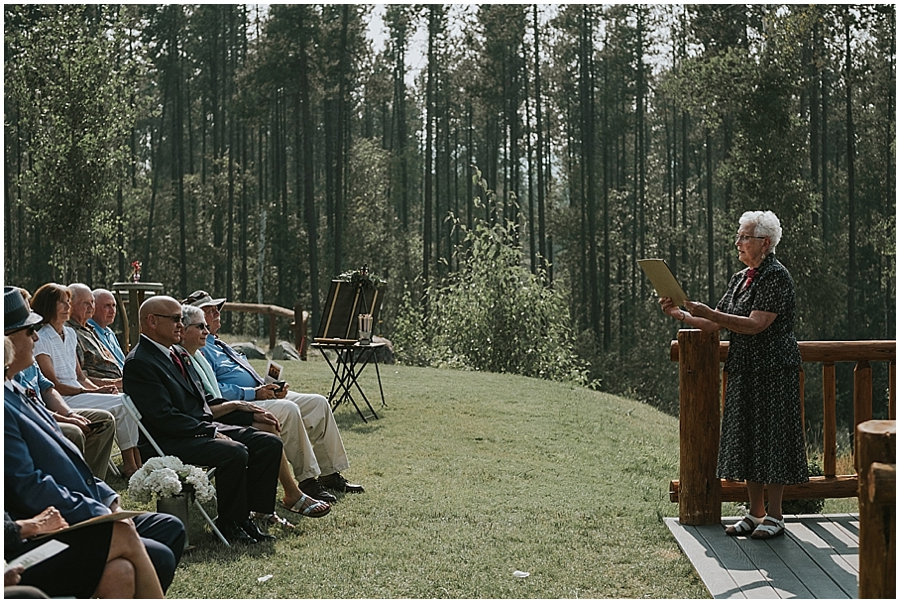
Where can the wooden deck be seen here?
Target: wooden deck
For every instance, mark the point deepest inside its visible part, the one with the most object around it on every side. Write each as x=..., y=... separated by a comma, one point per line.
x=818, y=558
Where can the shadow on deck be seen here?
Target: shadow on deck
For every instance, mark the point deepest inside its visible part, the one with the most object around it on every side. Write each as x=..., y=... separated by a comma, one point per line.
x=818, y=558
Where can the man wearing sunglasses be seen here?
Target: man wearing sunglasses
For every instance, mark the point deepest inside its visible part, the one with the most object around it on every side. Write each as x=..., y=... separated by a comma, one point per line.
x=176, y=413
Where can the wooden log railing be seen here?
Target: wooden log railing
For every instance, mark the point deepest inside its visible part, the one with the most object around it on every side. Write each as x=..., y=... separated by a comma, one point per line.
x=876, y=446
x=697, y=491
x=299, y=321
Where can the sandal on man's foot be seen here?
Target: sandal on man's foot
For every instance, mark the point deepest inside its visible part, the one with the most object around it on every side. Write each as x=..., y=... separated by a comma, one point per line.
x=744, y=527
x=309, y=507
x=769, y=528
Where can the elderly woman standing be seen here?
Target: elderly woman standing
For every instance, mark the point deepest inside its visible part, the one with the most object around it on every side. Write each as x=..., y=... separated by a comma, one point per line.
x=762, y=435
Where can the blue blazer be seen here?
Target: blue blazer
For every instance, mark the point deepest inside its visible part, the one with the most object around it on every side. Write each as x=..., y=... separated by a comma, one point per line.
x=42, y=468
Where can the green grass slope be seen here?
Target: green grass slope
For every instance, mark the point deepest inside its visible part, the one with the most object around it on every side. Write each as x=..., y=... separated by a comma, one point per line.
x=470, y=477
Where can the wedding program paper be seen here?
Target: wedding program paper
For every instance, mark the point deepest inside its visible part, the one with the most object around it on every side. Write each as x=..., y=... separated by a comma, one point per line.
x=663, y=280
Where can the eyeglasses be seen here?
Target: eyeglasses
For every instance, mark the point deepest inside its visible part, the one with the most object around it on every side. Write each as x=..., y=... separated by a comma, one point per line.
x=176, y=318
x=201, y=326
x=29, y=330
x=739, y=238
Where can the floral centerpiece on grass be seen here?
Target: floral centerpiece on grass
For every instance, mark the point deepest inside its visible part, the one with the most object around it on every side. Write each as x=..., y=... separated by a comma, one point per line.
x=167, y=476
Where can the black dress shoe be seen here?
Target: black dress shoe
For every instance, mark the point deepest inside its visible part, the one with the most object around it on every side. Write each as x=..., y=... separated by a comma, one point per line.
x=254, y=532
x=336, y=482
x=313, y=489
x=234, y=533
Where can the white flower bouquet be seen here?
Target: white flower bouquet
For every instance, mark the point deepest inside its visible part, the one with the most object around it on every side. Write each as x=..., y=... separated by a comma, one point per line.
x=166, y=476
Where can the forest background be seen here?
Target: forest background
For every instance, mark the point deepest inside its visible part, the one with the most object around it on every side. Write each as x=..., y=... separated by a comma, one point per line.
x=503, y=186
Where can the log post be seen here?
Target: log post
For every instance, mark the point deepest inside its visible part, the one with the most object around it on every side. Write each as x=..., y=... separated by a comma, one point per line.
x=301, y=319
x=892, y=391
x=862, y=402
x=829, y=419
x=273, y=331
x=700, y=500
x=876, y=442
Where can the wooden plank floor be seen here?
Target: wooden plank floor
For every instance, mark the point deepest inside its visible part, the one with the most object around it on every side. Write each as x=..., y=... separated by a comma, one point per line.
x=818, y=558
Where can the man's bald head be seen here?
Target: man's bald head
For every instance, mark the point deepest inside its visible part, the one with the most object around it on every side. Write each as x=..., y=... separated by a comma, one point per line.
x=160, y=318
x=104, y=307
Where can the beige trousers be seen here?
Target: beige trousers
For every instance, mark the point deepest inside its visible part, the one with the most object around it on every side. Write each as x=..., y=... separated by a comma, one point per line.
x=96, y=445
x=126, y=427
x=312, y=442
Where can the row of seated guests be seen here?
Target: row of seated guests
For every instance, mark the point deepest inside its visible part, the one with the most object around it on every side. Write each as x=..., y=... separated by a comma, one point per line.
x=90, y=372
x=85, y=375
x=203, y=402
x=48, y=486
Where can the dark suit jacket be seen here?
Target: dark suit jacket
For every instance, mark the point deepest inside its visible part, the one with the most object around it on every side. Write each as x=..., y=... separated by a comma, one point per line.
x=42, y=468
x=171, y=406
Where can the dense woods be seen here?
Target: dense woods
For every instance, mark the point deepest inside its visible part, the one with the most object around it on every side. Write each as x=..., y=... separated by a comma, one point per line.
x=257, y=151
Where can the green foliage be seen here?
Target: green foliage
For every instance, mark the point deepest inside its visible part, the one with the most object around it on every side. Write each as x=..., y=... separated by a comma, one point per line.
x=69, y=99
x=493, y=314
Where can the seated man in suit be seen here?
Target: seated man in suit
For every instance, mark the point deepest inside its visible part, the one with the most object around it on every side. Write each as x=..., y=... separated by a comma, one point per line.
x=41, y=468
x=317, y=449
x=176, y=413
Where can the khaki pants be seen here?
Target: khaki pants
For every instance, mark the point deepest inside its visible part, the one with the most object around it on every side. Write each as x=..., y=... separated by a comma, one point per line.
x=312, y=442
x=126, y=427
x=96, y=445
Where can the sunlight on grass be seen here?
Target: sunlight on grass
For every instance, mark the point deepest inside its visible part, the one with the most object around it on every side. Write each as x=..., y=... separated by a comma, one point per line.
x=470, y=477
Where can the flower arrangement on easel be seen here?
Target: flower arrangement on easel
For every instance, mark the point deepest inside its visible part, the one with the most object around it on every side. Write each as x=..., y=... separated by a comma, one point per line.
x=362, y=277
x=166, y=477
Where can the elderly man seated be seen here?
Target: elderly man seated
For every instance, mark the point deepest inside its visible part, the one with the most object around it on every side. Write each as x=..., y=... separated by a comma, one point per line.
x=176, y=413
x=97, y=362
x=104, y=316
x=316, y=450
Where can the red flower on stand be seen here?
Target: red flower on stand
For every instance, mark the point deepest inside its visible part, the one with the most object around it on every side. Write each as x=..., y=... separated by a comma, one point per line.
x=135, y=271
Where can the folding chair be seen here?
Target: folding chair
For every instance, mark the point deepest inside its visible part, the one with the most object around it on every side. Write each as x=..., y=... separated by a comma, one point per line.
x=136, y=415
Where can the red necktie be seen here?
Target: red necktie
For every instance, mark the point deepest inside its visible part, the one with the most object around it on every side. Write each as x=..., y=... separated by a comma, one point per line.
x=177, y=362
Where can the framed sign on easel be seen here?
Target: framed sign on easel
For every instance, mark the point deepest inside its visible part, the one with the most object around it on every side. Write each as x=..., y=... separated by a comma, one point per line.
x=346, y=301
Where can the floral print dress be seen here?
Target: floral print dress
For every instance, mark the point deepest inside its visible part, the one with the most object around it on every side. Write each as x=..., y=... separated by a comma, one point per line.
x=762, y=435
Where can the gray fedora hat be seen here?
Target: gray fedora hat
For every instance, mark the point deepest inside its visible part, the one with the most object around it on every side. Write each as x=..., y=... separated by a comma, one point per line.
x=16, y=313
x=201, y=299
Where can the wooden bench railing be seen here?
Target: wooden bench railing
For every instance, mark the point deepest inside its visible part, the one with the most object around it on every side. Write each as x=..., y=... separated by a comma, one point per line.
x=698, y=492
x=299, y=321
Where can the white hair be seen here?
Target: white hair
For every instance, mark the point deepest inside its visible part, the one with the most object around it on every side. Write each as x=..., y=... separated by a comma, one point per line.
x=79, y=290
x=765, y=224
x=191, y=314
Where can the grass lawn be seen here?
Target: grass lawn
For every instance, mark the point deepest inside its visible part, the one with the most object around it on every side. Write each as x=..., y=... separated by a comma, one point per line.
x=470, y=477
